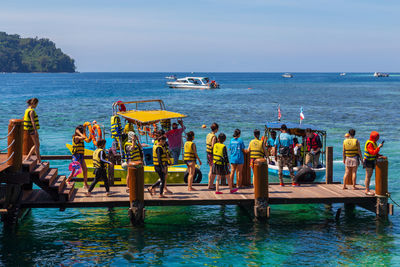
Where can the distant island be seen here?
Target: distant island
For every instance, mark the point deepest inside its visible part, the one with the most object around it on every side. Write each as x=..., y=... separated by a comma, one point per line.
x=32, y=55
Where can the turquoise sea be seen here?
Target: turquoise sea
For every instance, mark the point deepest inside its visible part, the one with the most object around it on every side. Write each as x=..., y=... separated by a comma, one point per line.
x=209, y=235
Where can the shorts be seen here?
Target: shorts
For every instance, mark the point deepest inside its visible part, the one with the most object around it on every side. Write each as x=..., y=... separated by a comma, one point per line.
x=188, y=161
x=370, y=164
x=351, y=162
x=31, y=132
x=210, y=159
x=220, y=169
x=78, y=158
x=252, y=161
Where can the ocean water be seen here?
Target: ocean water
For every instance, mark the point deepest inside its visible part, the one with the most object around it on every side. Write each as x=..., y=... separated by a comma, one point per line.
x=208, y=235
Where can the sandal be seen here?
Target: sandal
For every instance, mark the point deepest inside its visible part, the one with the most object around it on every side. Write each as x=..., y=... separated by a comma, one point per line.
x=369, y=193
x=150, y=191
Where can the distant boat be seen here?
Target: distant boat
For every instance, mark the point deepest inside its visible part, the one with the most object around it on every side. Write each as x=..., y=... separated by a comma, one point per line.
x=343, y=74
x=380, y=74
x=171, y=77
x=193, y=83
x=287, y=75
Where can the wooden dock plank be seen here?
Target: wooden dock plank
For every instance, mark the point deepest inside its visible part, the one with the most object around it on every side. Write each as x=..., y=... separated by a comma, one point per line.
x=315, y=193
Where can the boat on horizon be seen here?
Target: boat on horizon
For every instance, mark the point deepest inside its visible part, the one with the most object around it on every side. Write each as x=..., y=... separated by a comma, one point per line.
x=193, y=83
x=287, y=75
x=381, y=74
x=343, y=74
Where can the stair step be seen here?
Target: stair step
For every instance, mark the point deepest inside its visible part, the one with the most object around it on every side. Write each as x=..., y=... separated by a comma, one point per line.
x=29, y=164
x=59, y=183
x=68, y=190
x=41, y=169
x=49, y=176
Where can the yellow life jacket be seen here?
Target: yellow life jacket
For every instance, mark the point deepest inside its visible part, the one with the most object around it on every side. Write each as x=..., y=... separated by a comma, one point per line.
x=256, y=149
x=209, y=140
x=134, y=153
x=188, y=152
x=128, y=128
x=164, y=157
x=350, y=147
x=218, y=154
x=78, y=148
x=166, y=125
x=97, y=163
x=116, y=128
x=27, y=120
x=367, y=155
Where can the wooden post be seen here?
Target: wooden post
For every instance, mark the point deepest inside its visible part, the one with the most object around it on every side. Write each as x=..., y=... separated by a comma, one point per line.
x=15, y=140
x=329, y=165
x=261, y=208
x=136, y=192
x=381, y=187
x=246, y=174
x=27, y=143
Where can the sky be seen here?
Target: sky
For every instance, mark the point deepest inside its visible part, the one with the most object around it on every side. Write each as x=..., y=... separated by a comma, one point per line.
x=215, y=35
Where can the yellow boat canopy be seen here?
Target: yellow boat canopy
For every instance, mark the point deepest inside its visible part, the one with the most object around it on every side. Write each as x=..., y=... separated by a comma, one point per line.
x=149, y=116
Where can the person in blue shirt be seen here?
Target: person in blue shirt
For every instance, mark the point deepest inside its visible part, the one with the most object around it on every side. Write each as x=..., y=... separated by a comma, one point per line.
x=236, y=147
x=284, y=153
x=271, y=146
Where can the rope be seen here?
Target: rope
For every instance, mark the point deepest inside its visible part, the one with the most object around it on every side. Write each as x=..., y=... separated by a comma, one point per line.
x=388, y=194
x=1, y=150
x=1, y=138
x=12, y=154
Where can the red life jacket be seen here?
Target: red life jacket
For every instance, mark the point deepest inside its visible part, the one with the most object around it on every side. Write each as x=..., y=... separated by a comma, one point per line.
x=312, y=143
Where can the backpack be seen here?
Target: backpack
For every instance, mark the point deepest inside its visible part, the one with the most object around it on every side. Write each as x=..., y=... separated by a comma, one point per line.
x=283, y=150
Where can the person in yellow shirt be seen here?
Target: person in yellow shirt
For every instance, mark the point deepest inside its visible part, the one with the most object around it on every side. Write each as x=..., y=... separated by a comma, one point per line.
x=351, y=158
x=31, y=124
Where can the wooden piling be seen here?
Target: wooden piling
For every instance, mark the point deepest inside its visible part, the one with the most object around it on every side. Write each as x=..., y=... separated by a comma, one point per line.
x=136, y=192
x=381, y=187
x=329, y=165
x=246, y=174
x=27, y=143
x=15, y=139
x=261, y=208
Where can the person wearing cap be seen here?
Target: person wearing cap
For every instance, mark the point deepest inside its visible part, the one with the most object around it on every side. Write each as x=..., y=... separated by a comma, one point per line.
x=371, y=153
x=351, y=157
x=133, y=151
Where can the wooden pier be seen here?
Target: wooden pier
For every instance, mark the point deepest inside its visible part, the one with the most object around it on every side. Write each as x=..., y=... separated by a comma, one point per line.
x=18, y=196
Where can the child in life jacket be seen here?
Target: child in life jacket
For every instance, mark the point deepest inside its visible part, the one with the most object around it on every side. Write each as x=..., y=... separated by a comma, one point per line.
x=99, y=162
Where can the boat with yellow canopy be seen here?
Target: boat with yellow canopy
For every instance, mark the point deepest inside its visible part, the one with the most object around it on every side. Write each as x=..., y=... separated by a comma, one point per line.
x=146, y=123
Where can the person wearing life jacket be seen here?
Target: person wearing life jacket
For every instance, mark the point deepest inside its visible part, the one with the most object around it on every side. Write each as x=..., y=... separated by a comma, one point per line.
x=256, y=148
x=351, y=158
x=128, y=128
x=220, y=166
x=31, y=124
x=174, y=137
x=371, y=153
x=99, y=163
x=211, y=140
x=314, y=146
x=133, y=152
x=160, y=161
x=190, y=156
x=78, y=153
x=284, y=154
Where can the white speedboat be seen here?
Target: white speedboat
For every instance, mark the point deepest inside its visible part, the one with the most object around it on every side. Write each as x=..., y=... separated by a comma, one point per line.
x=171, y=77
x=380, y=74
x=287, y=75
x=343, y=74
x=193, y=83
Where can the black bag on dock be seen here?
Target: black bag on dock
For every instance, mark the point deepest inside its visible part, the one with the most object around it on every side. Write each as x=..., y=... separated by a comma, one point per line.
x=305, y=175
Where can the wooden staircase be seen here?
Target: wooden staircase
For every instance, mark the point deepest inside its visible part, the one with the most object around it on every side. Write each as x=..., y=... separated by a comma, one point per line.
x=48, y=179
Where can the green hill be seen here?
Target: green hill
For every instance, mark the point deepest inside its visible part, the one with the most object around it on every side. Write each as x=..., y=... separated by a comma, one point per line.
x=32, y=55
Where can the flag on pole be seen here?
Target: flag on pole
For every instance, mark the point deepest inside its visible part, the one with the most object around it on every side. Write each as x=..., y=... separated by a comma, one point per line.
x=279, y=113
x=301, y=114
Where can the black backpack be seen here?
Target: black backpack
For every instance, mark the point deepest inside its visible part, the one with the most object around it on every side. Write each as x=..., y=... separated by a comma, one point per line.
x=283, y=150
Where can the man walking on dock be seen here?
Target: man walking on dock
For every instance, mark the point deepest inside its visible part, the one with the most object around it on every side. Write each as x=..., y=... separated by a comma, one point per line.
x=284, y=151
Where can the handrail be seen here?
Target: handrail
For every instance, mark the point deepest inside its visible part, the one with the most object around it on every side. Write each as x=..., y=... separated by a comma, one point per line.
x=8, y=146
x=12, y=154
x=1, y=138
